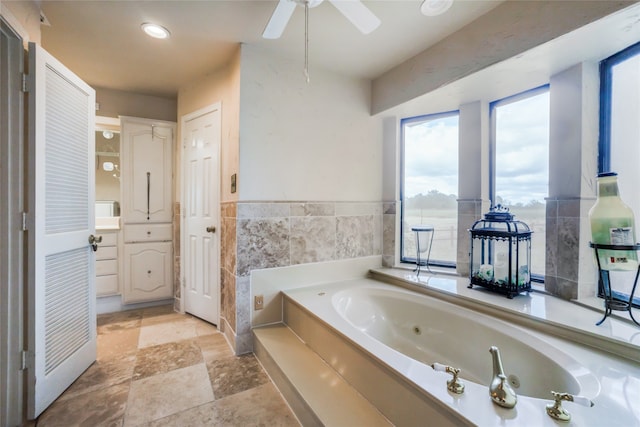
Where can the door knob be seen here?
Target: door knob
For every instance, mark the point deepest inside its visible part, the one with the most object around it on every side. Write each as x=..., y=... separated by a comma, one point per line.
x=93, y=241
x=211, y=229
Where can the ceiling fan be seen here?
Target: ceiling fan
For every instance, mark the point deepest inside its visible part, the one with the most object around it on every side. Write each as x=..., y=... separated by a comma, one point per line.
x=353, y=10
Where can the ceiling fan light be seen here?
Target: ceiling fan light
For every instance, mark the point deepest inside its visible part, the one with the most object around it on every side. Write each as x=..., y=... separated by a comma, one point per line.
x=435, y=7
x=155, y=30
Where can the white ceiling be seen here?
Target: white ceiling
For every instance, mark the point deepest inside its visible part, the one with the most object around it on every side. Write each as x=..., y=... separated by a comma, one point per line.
x=102, y=42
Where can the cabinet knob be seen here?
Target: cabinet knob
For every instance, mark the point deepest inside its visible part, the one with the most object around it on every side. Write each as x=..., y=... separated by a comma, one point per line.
x=211, y=229
x=149, y=272
x=148, y=233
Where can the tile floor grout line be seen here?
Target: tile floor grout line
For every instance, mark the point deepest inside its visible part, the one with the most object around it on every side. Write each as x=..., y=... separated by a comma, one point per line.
x=237, y=401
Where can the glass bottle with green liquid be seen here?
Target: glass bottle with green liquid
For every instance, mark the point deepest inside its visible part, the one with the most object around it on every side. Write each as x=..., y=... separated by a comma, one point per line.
x=613, y=223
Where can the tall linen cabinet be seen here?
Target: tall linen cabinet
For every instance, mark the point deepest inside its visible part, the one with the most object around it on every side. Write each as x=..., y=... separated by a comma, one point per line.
x=147, y=209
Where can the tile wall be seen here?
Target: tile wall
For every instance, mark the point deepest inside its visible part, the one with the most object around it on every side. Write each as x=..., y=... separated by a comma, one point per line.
x=259, y=235
x=569, y=259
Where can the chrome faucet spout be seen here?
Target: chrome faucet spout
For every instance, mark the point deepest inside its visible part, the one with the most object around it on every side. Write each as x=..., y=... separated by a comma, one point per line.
x=501, y=392
x=497, y=361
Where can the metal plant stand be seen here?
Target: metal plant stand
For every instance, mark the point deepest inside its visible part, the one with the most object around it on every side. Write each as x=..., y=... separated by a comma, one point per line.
x=611, y=303
x=422, y=229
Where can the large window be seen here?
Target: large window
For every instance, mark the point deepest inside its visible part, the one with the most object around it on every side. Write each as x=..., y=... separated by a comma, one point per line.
x=520, y=126
x=430, y=184
x=620, y=137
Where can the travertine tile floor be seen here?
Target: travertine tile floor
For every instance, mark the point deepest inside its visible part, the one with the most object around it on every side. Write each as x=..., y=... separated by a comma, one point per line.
x=160, y=368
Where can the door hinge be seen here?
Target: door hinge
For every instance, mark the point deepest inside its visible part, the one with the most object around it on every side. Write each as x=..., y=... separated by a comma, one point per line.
x=25, y=84
x=24, y=221
x=26, y=360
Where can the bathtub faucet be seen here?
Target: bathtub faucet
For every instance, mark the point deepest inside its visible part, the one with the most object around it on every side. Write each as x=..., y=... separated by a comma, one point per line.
x=501, y=392
x=454, y=385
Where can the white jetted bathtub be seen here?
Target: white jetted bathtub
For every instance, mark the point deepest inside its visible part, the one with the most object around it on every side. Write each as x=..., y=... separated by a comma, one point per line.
x=429, y=330
x=404, y=332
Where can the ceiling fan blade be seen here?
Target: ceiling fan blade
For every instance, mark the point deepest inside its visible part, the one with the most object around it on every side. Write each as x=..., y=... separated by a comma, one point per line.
x=358, y=14
x=279, y=19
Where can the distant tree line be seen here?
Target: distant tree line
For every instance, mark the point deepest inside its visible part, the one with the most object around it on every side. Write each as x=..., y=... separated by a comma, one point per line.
x=531, y=204
x=432, y=200
x=437, y=200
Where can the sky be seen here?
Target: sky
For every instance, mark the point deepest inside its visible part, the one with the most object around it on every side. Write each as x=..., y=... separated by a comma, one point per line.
x=431, y=157
x=522, y=150
x=522, y=154
x=625, y=133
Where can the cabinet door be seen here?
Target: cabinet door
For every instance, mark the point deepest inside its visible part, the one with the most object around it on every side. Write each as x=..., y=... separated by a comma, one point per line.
x=146, y=180
x=148, y=272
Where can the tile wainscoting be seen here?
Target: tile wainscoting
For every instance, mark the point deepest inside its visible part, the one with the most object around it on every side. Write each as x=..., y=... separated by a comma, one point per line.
x=261, y=235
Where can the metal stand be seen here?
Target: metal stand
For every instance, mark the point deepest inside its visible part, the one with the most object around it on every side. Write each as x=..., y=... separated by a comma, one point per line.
x=422, y=229
x=609, y=302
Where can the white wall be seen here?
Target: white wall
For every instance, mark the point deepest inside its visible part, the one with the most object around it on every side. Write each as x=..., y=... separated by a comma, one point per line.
x=311, y=141
x=114, y=103
x=222, y=85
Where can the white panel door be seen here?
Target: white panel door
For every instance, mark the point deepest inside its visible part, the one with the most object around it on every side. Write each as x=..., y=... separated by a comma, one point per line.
x=61, y=289
x=201, y=163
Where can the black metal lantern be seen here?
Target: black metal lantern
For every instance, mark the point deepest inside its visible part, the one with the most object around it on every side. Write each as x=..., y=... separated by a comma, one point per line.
x=500, y=253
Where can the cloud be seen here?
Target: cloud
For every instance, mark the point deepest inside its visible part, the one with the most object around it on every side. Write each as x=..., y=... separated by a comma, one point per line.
x=431, y=156
x=522, y=152
x=522, y=149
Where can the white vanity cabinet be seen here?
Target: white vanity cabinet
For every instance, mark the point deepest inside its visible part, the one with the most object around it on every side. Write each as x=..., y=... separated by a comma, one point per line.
x=147, y=209
x=107, y=278
x=147, y=272
x=146, y=162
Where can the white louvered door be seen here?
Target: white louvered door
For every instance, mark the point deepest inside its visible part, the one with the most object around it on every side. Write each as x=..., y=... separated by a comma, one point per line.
x=61, y=293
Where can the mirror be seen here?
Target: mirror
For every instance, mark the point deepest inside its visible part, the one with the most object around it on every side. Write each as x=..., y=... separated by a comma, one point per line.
x=107, y=167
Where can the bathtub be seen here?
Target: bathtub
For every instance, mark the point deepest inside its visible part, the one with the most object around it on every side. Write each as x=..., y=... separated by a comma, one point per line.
x=382, y=338
x=428, y=330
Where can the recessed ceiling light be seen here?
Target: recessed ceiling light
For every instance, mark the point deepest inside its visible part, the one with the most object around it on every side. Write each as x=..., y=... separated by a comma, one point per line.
x=435, y=7
x=154, y=30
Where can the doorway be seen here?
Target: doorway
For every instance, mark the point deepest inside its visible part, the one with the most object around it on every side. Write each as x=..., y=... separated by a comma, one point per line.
x=12, y=192
x=201, y=132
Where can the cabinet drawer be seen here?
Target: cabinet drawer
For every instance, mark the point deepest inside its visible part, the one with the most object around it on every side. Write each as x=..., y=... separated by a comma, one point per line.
x=106, y=267
x=107, y=285
x=147, y=233
x=108, y=239
x=109, y=252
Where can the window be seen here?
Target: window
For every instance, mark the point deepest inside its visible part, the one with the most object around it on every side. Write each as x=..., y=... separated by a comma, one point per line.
x=619, y=135
x=429, y=185
x=520, y=126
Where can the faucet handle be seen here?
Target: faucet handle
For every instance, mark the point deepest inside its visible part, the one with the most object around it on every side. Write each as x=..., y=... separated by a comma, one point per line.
x=557, y=412
x=455, y=384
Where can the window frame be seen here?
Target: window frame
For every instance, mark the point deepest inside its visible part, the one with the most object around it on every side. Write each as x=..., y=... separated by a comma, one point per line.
x=539, y=278
x=604, y=141
x=606, y=86
x=403, y=122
